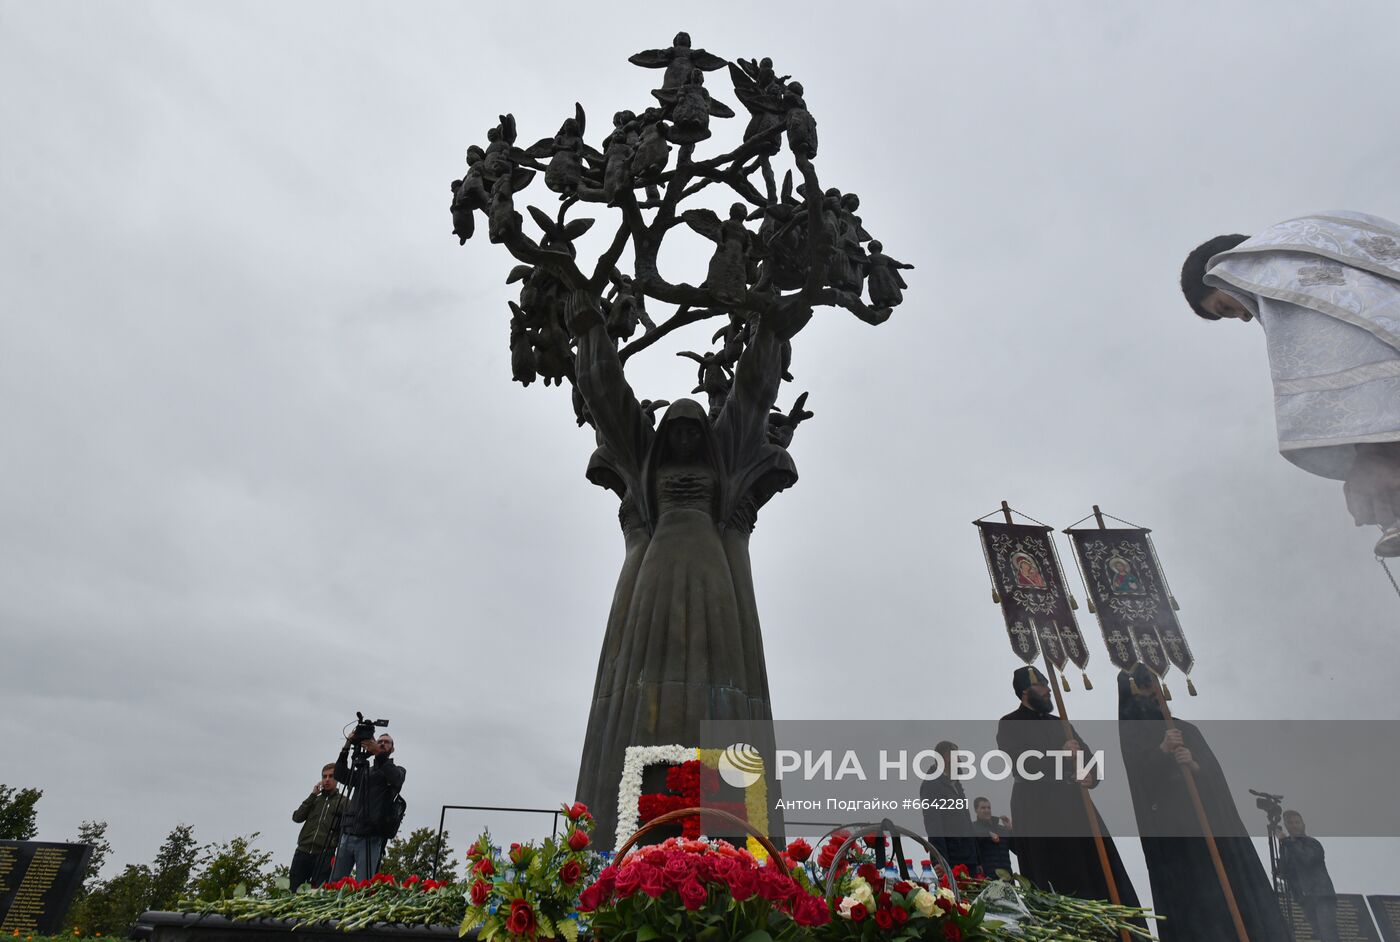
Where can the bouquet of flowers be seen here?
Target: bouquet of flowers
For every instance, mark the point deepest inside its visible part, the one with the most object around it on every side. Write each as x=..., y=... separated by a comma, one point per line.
x=532, y=891
x=686, y=889
x=349, y=903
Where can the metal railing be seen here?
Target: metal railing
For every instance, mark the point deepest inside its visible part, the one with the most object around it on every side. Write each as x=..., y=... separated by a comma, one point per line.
x=442, y=822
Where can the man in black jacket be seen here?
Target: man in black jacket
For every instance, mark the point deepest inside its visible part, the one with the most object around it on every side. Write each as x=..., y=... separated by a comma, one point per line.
x=375, y=784
x=946, y=819
x=1304, y=866
x=993, y=838
x=319, y=817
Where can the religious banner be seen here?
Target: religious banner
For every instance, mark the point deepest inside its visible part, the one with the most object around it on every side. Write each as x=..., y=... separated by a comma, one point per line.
x=1029, y=584
x=1128, y=592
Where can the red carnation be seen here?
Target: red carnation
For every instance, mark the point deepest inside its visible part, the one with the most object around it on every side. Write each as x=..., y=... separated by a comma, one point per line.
x=774, y=885
x=693, y=894
x=578, y=839
x=883, y=919
x=810, y=910
x=960, y=873
x=521, y=920
x=481, y=892
x=570, y=872
x=869, y=874
x=799, y=850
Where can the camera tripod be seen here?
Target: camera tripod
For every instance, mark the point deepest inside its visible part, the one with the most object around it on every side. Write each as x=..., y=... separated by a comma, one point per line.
x=1272, y=806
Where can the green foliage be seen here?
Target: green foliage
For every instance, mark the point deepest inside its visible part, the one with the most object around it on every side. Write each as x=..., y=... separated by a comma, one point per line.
x=113, y=906
x=94, y=833
x=170, y=871
x=413, y=856
x=110, y=907
x=232, y=869
x=17, y=813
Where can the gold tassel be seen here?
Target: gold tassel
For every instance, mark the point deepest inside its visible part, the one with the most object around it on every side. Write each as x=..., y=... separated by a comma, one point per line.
x=1133, y=686
x=996, y=599
x=1172, y=599
x=1166, y=692
x=1073, y=605
x=1088, y=684
x=1190, y=687
x=1092, y=609
x=1064, y=681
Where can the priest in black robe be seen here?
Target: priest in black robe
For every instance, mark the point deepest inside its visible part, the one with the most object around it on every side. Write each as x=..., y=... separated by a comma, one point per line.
x=1185, y=888
x=1054, y=842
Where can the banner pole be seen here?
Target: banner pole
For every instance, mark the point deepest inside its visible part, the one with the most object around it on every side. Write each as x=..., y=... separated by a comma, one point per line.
x=1196, y=803
x=1089, y=810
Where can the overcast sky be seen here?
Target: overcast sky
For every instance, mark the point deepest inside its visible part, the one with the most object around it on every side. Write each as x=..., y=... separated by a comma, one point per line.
x=264, y=465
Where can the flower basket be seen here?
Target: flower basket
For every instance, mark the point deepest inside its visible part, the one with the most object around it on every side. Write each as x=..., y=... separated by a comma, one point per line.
x=711, y=813
x=859, y=831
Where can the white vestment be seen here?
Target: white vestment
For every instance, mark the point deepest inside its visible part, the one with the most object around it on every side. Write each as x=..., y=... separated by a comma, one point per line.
x=1326, y=289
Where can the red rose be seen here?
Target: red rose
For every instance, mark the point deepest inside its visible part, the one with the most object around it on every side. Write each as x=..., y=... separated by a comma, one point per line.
x=570, y=872
x=901, y=916
x=677, y=868
x=951, y=932
x=858, y=913
x=518, y=854
x=521, y=920
x=485, y=867
x=869, y=874
x=655, y=857
x=810, y=910
x=591, y=898
x=481, y=892
x=578, y=839
x=578, y=810
x=607, y=879
x=743, y=883
x=653, y=882
x=903, y=886
x=628, y=880
x=883, y=919
x=799, y=850
x=693, y=894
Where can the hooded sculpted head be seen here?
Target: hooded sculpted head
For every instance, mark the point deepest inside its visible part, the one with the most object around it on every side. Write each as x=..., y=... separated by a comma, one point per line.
x=683, y=435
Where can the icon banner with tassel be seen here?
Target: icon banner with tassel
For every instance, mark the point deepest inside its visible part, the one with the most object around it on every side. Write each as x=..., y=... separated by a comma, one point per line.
x=1030, y=584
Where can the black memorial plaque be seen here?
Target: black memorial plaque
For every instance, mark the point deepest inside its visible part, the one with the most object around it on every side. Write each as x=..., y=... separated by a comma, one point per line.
x=1353, y=921
x=1386, y=909
x=37, y=883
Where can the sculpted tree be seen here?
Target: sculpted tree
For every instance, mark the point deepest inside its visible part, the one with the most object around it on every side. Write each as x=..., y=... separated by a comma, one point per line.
x=682, y=642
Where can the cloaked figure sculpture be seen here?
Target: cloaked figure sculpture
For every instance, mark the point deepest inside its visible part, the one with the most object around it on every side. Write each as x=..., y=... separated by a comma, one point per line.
x=682, y=643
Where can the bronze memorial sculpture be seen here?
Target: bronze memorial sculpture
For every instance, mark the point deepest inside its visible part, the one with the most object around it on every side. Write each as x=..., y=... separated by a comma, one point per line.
x=682, y=642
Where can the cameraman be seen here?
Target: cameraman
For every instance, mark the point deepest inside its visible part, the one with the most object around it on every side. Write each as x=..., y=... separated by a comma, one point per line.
x=375, y=782
x=1304, y=867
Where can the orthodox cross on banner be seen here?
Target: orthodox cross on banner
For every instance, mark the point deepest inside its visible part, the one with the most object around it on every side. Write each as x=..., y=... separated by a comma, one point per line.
x=1128, y=591
x=1029, y=584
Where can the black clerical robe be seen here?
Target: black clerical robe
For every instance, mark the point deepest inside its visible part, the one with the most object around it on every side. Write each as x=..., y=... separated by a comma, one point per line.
x=1066, y=861
x=1185, y=888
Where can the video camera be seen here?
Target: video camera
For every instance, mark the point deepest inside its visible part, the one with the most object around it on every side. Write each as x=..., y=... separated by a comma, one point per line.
x=364, y=729
x=1271, y=805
